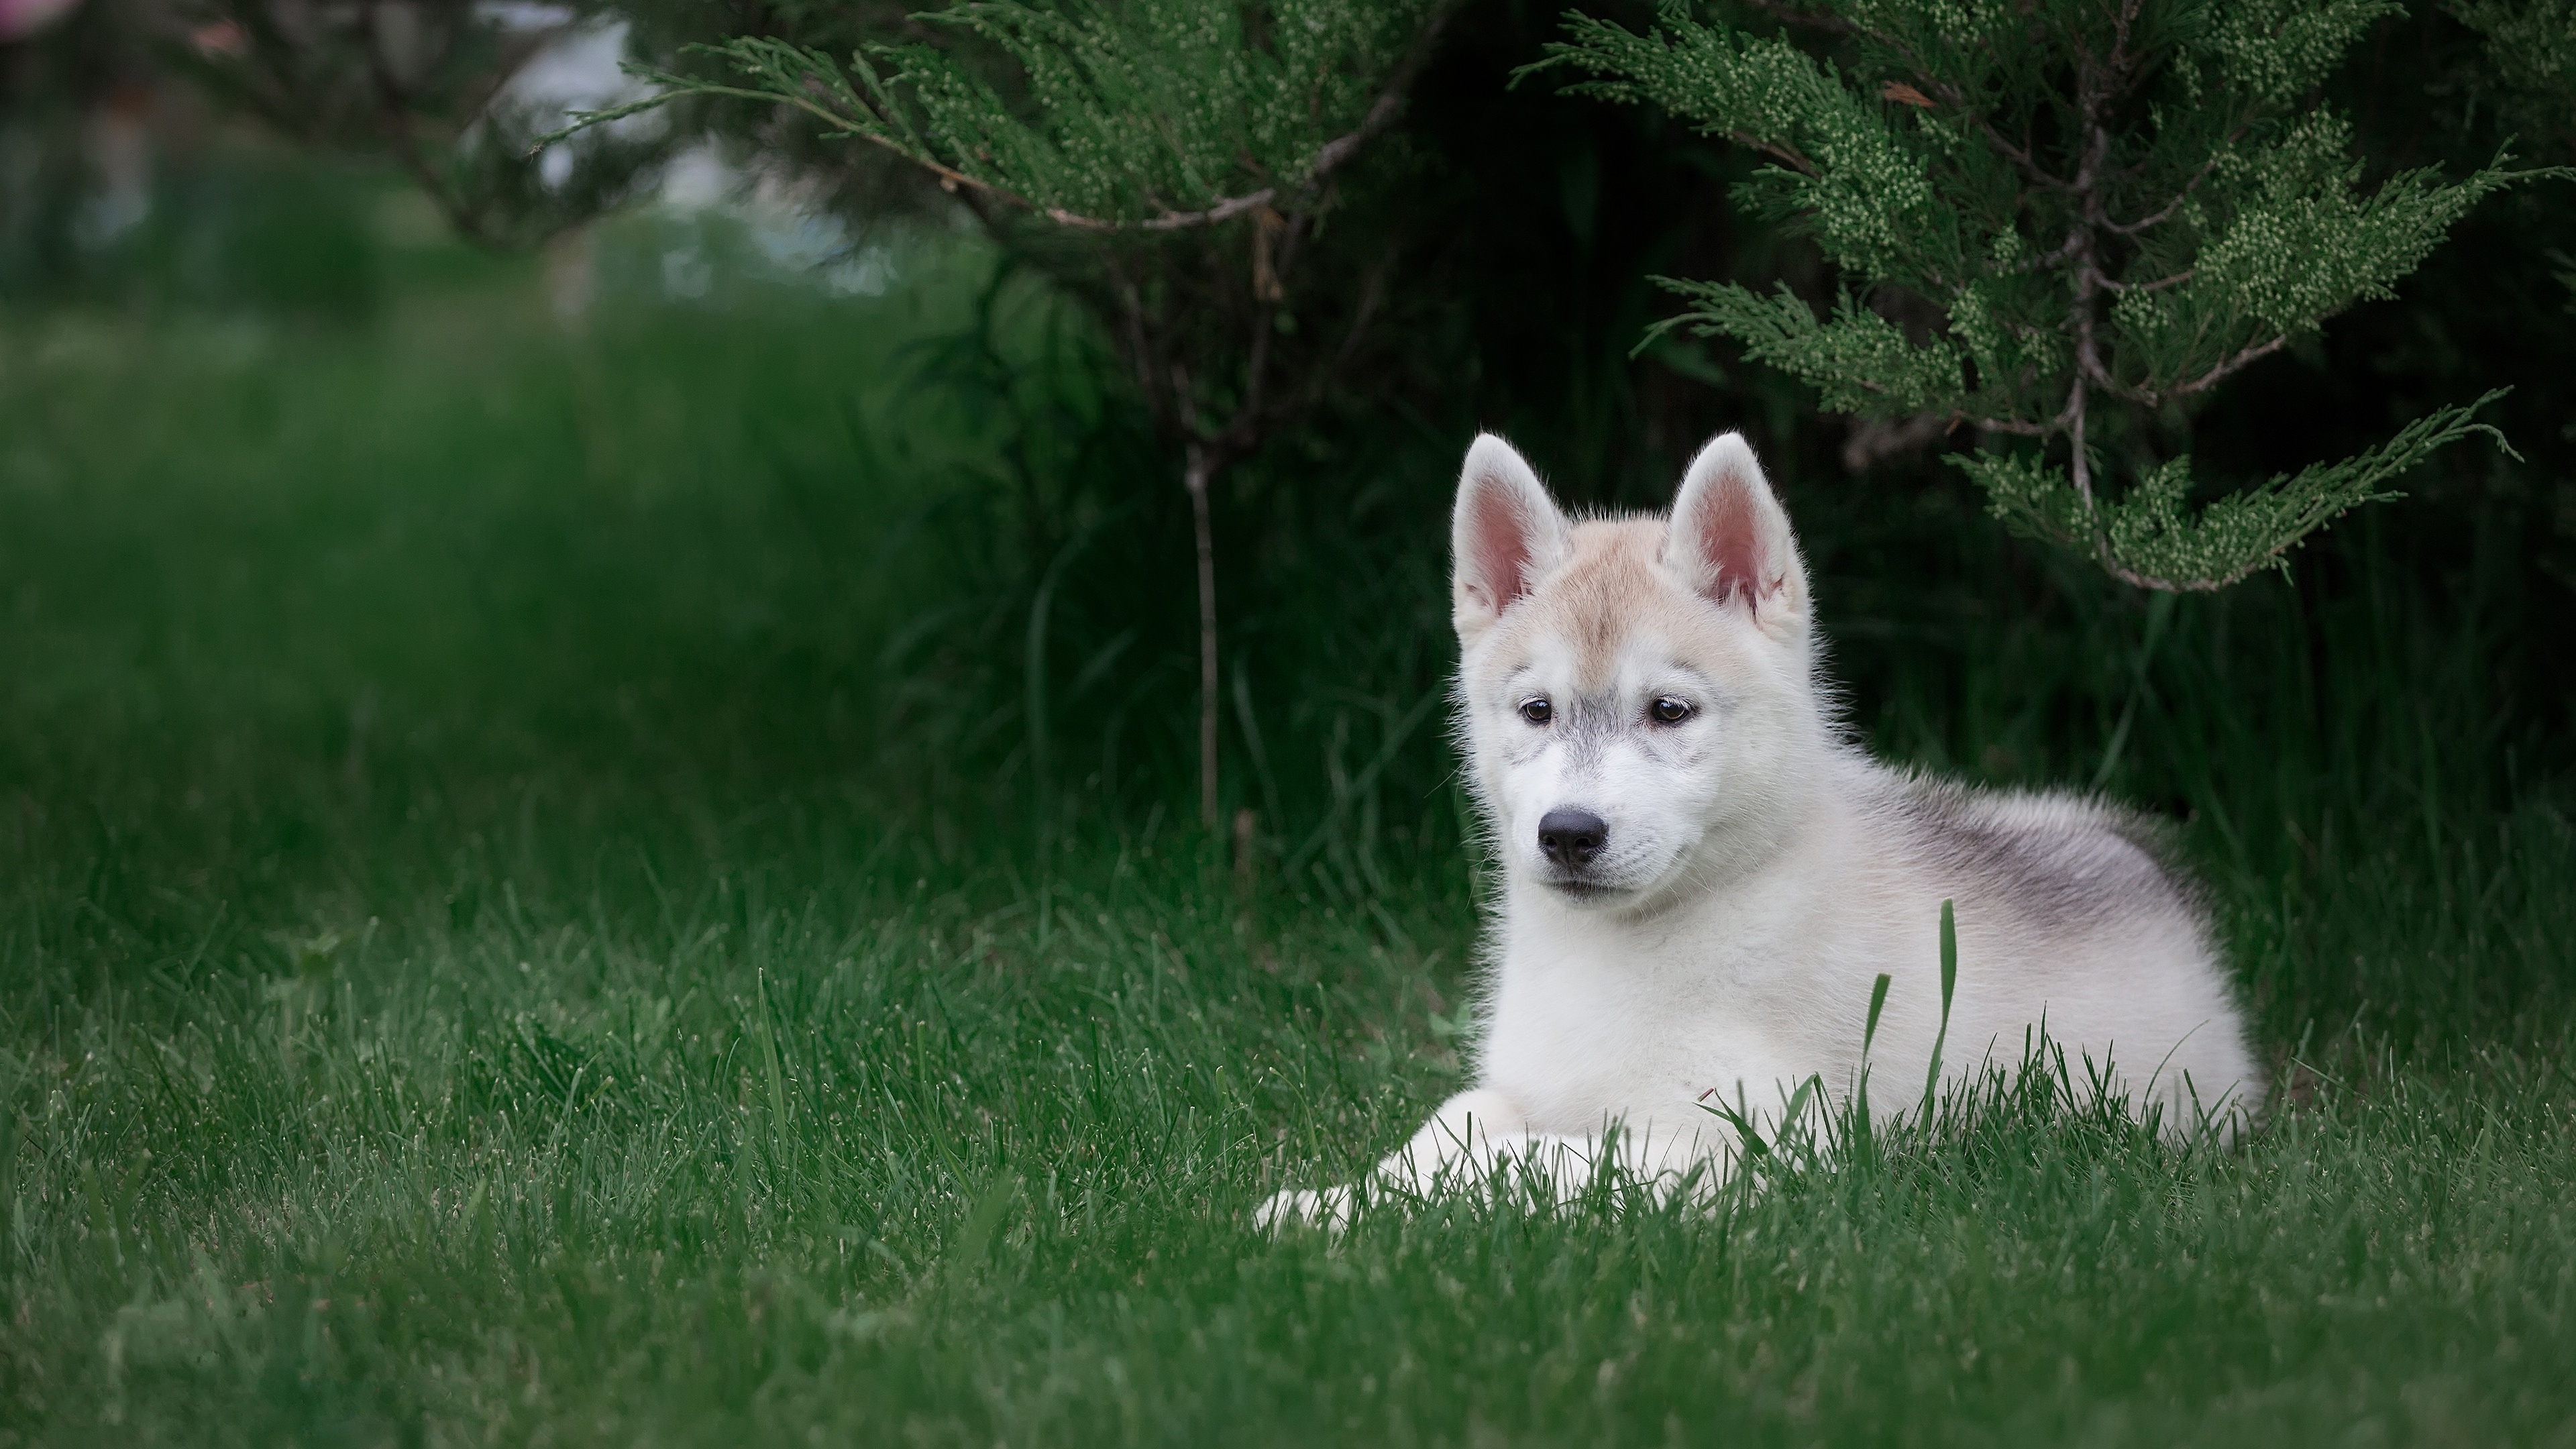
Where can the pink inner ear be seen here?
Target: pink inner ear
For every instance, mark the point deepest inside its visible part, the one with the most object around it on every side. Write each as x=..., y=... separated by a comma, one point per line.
x=1502, y=545
x=1730, y=539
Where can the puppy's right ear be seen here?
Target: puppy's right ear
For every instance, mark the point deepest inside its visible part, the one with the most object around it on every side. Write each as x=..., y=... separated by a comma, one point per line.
x=1507, y=534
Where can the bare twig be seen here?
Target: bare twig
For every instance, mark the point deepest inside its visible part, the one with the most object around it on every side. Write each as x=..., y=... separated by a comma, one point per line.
x=1150, y=374
x=2018, y=428
x=2065, y=252
x=2243, y=357
x=1372, y=297
x=2158, y=285
x=1202, y=468
x=2130, y=576
x=1243, y=432
x=1389, y=104
x=2088, y=279
x=393, y=111
x=2165, y=213
x=2097, y=82
x=1223, y=211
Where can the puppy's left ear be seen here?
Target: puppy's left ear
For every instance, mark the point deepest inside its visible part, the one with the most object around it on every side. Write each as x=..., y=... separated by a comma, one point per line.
x=1729, y=540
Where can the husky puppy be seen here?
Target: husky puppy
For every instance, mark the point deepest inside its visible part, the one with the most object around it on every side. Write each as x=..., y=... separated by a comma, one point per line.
x=1702, y=879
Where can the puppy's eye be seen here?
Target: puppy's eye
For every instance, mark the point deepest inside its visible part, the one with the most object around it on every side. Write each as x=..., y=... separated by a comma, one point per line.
x=1669, y=710
x=1537, y=711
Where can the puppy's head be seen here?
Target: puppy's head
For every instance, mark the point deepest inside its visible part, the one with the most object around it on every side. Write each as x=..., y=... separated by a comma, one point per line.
x=1635, y=693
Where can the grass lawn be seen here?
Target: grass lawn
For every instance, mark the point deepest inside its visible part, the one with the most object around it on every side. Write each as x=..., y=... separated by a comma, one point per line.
x=491, y=951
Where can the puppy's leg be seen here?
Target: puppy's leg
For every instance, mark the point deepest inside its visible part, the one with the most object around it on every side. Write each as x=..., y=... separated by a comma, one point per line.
x=1555, y=1168
x=1669, y=1160
x=1478, y=1135
x=1461, y=1143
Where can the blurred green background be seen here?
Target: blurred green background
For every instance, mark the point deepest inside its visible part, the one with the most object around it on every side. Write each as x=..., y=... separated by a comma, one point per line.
x=598, y=838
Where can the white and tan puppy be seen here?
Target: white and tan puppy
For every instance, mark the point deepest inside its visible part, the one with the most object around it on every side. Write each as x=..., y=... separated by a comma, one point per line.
x=1702, y=879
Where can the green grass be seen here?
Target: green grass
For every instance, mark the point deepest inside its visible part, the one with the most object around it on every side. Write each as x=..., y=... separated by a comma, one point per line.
x=522, y=919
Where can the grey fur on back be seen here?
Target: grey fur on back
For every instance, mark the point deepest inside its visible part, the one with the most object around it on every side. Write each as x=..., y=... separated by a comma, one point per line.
x=2056, y=860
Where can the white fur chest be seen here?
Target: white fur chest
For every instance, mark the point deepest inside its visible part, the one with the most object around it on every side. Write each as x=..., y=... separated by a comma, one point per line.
x=1593, y=1018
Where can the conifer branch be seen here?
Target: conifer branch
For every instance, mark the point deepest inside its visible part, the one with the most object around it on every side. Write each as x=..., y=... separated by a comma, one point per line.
x=675, y=87
x=789, y=75
x=2115, y=206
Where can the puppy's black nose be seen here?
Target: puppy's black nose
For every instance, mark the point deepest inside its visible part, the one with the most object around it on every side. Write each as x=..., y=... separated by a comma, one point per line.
x=1571, y=837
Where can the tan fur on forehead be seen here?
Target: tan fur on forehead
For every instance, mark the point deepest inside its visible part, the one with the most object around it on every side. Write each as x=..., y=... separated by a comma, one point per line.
x=1608, y=590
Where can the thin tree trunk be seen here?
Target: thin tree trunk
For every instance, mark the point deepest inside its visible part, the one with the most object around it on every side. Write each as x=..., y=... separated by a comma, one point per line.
x=1203, y=465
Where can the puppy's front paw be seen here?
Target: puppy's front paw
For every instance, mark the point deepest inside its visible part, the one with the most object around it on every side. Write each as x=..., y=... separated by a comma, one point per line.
x=1329, y=1209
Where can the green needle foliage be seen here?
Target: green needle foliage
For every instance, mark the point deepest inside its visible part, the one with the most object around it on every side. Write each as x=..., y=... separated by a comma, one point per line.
x=2100, y=213
x=1157, y=116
